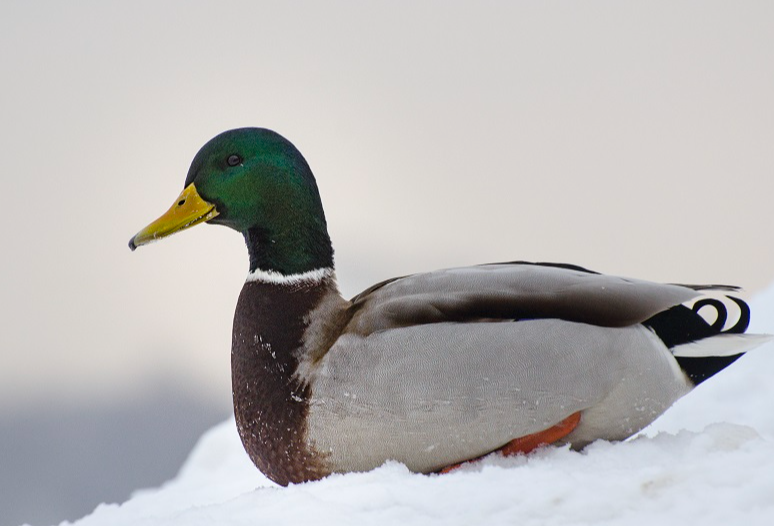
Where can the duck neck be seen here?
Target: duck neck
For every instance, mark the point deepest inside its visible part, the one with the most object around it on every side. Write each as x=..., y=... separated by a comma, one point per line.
x=290, y=251
x=271, y=401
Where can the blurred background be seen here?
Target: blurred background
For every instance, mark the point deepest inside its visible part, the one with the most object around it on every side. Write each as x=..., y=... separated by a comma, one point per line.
x=635, y=139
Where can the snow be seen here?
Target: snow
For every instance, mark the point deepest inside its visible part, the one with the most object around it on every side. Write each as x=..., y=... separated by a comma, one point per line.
x=708, y=460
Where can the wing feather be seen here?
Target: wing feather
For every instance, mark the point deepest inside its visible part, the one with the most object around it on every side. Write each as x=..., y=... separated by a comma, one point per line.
x=512, y=291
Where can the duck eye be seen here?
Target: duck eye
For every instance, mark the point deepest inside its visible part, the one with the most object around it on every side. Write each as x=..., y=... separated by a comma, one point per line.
x=234, y=160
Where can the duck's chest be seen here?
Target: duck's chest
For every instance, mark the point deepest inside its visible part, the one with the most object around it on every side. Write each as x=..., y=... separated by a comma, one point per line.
x=270, y=404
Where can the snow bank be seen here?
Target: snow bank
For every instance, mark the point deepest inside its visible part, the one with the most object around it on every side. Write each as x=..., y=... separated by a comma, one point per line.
x=708, y=460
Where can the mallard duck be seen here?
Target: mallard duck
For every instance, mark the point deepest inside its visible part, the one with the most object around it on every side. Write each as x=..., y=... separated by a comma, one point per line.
x=434, y=369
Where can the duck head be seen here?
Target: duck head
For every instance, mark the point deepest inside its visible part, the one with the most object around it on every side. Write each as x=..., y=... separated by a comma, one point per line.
x=254, y=181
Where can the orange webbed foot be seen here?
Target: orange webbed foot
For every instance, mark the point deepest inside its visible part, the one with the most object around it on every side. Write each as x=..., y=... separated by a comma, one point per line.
x=529, y=443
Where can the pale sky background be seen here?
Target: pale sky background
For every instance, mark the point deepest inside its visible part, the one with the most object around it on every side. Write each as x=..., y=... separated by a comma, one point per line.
x=633, y=138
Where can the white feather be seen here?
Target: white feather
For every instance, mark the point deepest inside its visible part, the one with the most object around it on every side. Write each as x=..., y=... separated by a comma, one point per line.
x=721, y=345
x=277, y=278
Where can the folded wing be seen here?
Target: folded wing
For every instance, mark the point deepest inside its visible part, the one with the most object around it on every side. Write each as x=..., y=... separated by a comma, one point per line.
x=515, y=291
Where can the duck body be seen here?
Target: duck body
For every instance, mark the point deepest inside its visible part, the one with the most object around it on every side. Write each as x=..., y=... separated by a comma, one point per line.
x=431, y=369
x=437, y=368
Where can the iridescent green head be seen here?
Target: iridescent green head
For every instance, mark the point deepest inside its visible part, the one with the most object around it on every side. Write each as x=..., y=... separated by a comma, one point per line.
x=256, y=182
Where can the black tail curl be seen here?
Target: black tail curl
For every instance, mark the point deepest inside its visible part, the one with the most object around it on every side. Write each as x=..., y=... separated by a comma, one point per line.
x=681, y=325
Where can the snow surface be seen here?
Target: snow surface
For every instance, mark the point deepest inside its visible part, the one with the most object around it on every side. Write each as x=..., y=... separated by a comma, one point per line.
x=709, y=460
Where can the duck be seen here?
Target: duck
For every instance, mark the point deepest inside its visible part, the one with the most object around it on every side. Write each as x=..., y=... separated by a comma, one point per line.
x=436, y=369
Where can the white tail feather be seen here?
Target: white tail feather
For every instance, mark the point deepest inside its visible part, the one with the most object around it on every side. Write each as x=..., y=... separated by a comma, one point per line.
x=721, y=345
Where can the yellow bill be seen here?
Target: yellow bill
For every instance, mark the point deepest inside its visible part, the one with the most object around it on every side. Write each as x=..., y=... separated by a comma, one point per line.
x=189, y=210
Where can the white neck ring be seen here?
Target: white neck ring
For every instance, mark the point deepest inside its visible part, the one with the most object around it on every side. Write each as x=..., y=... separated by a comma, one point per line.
x=310, y=277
